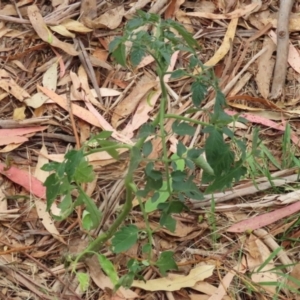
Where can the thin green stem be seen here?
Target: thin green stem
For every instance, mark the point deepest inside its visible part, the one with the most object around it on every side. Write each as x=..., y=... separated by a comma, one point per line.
x=173, y=116
x=162, y=128
x=107, y=148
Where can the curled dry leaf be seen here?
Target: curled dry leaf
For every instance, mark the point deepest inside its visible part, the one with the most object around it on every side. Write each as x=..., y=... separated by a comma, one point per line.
x=45, y=34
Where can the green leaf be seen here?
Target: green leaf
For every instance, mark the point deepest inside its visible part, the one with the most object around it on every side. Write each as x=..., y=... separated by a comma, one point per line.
x=162, y=196
x=199, y=91
x=53, y=166
x=177, y=162
x=120, y=54
x=135, y=159
x=183, y=128
x=136, y=55
x=166, y=262
x=178, y=176
x=218, y=153
x=188, y=37
x=84, y=280
x=147, y=148
x=108, y=268
x=125, y=238
x=83, y=172
x=178, y=73
x=146, y=130
x=134, y=23
x=181, y=149
x=52, y=185
x=73, y=159
x=103, y=135
x=87, y=222
x=167, y=221
x=95, y=214
x=146, y=248
x=226, y=180
x=173, y=207
x=189, y=188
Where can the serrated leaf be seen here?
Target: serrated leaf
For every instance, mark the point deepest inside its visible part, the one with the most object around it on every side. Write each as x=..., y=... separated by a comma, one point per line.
x=199, y=91
x=108, y=268
x=136, y=55
x=125, y=238
x=84, y=172
x=166, y=262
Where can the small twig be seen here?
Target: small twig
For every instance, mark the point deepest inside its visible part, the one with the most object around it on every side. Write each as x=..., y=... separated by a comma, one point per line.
x=84, y=59
x=282, y=48
x=53, y=274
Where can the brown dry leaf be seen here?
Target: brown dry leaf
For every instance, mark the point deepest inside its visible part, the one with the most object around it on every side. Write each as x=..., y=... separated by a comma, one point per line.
x=129, y=104
x=75, y=26
x=3, y=202
x=174, y=282
x=44, y=33
x=258, y=253
x=184, y=20
x=41, y=205
x=19, y=113
x=233, y=15
x=224, y=48
x=62, y=30
x=110, y=19
x=293, y=57
x=50, y=82
x=265, y=68
x=294, y=22
x=11, y=87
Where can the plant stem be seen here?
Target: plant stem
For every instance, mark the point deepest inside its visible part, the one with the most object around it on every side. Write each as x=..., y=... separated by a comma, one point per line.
x=173, y=116
x=162, y=127
x=107, y=148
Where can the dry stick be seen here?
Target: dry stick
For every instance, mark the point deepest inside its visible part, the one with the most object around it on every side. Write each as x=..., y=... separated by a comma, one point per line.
x=255, y=36
x=282, y=48
x=84, y=59
x=53, y=274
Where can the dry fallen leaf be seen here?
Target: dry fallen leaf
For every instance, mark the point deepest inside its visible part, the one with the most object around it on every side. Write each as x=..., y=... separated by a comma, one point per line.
x=176, y=282
x=44, y=33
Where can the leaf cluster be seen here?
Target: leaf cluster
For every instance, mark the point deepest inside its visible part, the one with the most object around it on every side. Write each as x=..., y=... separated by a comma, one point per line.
x=67, y=177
